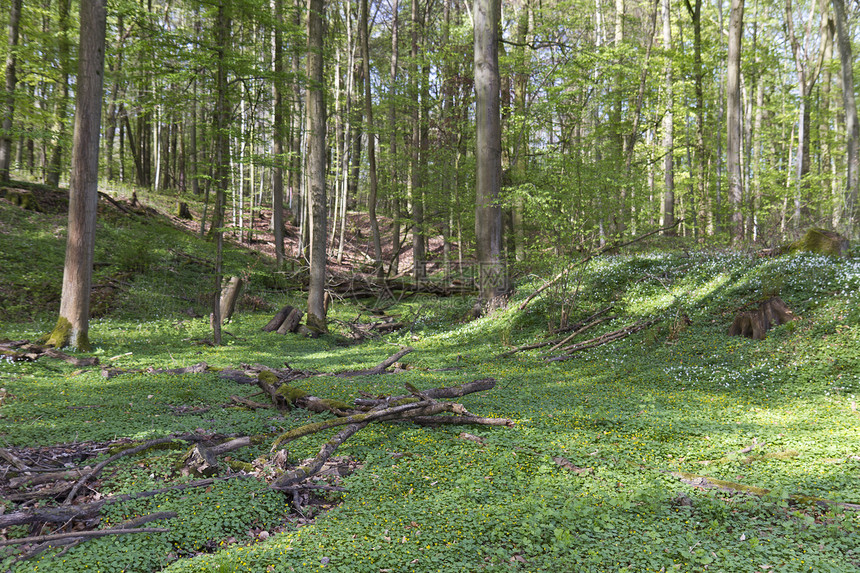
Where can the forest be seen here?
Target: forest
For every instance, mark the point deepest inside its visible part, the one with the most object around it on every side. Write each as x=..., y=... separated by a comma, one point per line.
x=393, y=285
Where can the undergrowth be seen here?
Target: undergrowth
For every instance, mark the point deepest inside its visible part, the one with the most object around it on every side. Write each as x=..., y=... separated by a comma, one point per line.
x=681, y=396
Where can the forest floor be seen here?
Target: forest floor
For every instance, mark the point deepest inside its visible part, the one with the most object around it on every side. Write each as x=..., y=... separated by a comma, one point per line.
x=676, y=448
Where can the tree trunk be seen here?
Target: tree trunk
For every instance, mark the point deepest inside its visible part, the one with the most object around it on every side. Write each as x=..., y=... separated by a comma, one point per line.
x=316, y=165
x=733, y=119
x=392, y=126
x=488, y=154
x=278, y=136
x=852, y=127
x=222, y=154
x=371, y=143
x=55, y=165
x=73, y=324
x=415, y=191
x=668, y=127
x=11, y=80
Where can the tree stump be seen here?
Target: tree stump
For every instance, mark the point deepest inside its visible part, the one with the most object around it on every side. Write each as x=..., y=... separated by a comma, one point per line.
x=755, y=324
x=183, y=212
x=822, y=242
x=229, y=296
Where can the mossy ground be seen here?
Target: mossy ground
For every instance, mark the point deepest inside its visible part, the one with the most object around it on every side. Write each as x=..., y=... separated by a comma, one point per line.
x=669, y=399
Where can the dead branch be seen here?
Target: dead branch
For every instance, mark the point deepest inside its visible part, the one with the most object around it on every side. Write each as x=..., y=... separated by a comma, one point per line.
x=63, y=514
x=434, y=393
x=556, y=340
x=99, y=467
x=250, y=403
x=460, y=421
x=579, y=331
x=84, y=534
x=299, y=474
x=605, y=249
x=24, y=351
x=603, y=339
x=379, y=368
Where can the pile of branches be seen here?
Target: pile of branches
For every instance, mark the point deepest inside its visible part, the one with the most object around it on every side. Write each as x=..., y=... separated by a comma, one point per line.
x=26, y=351
x=35, y=481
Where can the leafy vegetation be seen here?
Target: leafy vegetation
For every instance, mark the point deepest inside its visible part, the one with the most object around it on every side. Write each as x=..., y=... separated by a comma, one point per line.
x=679, y=399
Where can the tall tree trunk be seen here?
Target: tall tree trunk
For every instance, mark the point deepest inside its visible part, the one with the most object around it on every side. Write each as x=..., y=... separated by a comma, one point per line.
x=695, y=11
x=806, y=78
x=278, y=136
x=852, y=126
x=222, y=154
x=488, y=154
x=371, y=142
x=11, y=80
x=55, y=165
x=72, y=327
x=392, y=126
x=733, y=119
x=415, y=190
x=113, y=107
x=668, y=127
x=316, y=165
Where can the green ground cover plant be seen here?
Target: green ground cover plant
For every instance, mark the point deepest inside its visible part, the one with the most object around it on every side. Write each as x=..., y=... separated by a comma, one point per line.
x=639, y=422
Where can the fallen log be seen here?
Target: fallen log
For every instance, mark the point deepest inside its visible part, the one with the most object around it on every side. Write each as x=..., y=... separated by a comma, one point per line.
x=278, y=319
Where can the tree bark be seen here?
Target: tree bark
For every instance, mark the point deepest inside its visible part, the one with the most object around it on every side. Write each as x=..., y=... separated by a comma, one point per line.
x=11, y=80
x=316, y=165
x=733, y=119
x=852, y=127
x=278, y=136
x=668, y=125
x=54, y=166
x=73, y=324
x=371, y=142
x=222, y=154
x=488, y=154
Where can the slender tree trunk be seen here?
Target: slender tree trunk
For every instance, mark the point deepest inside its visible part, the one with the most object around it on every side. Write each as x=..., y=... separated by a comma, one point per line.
x=852, y=126
x=316, y=165
x=371, y=142
x=56, y=162
x=11, y=80
x=733, y=119
x=278, y=136
x=222, y=154
x=73, y=324
x=668, y=127
x=392, y=125
x=415, y=191
x=488, y=154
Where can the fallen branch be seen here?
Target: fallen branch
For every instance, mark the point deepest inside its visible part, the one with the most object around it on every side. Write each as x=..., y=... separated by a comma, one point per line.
x=605, y=249
x=83, y=534
x=434, y=393
x=705, y=482
x=554, y=341
x=99, y=467
x=460, y=421
x=603, y=339
x=379, y=368
x=65, y=513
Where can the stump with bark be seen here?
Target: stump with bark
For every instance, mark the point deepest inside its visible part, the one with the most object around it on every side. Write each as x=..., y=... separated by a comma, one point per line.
x=755, y=324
